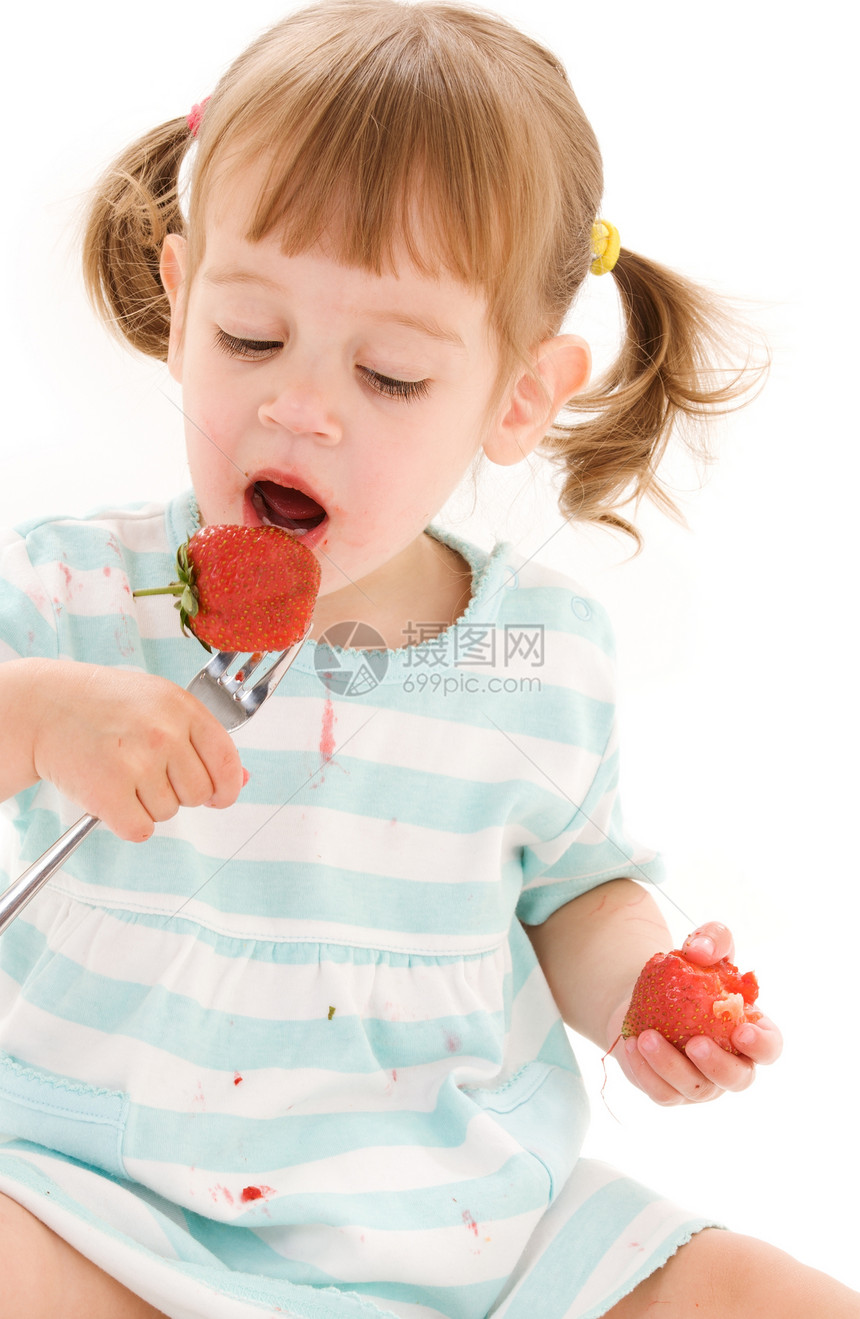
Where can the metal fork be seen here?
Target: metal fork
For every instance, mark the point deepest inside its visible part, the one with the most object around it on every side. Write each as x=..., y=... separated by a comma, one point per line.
x=232, y=700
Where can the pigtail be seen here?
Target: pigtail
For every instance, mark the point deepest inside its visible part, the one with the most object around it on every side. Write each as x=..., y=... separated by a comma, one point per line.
x=674, y=369
x=133, y=207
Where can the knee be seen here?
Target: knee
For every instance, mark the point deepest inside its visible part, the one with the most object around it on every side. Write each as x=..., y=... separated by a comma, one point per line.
x=748, y=1278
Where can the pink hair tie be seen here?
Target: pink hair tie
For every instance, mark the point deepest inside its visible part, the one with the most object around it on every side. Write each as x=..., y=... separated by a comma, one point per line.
x=195, y=119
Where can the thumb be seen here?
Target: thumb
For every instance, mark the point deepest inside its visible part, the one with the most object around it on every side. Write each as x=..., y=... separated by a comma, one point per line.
x=709, y=944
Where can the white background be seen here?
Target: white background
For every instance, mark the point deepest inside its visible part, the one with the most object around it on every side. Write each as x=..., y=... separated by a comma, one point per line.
x=727, y=134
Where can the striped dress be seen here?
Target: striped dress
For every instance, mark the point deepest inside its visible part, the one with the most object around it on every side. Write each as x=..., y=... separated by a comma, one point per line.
x=297, y=1057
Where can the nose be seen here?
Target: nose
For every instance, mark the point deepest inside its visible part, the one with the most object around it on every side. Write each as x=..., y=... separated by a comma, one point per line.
x=299, y=402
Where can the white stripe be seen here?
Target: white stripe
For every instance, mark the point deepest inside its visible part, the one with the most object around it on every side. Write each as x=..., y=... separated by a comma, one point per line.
x=416, y=741
x=370, y=1170
x=354, y=843
x=158, y=1079
x=458, y=1256
x=88, y=592
x=565, y=653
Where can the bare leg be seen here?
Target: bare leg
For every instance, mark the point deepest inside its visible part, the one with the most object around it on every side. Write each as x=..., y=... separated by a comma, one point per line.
x=44, y=1277
x=721, y=1275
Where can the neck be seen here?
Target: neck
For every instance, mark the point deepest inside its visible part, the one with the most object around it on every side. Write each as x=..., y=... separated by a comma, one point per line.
x=423, y=591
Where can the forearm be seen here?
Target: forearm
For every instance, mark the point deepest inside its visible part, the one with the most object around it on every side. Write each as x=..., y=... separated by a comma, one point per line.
x=592, y=949
x=19, y=718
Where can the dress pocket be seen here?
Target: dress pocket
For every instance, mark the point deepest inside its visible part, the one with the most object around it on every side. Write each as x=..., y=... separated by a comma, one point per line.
x=545, y=1109
x=63, y=1115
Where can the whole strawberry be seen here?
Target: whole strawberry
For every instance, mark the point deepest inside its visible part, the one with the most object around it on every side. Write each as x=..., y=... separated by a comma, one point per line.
x=244, y=588
x=682, y=1000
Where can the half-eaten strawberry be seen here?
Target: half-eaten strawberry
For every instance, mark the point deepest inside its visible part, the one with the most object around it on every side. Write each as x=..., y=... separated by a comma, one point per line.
x=681, y=1000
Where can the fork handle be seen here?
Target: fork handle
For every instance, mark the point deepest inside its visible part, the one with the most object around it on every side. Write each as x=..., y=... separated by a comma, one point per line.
x=26, y=886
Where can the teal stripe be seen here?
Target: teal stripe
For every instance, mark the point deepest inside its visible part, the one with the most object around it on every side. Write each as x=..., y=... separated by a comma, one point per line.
x=227, y=1042
x=87, y=545
x=400, y=794
x=534, y=714
x=235, y=1145
x=556, y=1051
x=85, y=1122
x=565, y=1266
x=531, y=606
x=103, y=639
x=22, y=625
x=302, y=891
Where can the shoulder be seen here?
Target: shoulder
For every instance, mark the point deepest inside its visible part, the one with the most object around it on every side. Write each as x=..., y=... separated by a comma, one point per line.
x=103, y=538
x=136, y=527
x=562, y=604
x=547, y=626
x=64, y=579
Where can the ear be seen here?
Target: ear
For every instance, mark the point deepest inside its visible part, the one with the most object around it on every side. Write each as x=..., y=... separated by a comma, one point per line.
x=561, y=367
x=172, y=270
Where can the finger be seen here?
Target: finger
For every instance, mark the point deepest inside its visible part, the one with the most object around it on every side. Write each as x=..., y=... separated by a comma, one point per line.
x=761, y=1041
x=676, y=1069
x=219, y=754
x=128, y=819
x=669, y=1066
x=158, y=799
x=190, y=779
x=640, y=1071
x=722, y=1069
x=709, y=943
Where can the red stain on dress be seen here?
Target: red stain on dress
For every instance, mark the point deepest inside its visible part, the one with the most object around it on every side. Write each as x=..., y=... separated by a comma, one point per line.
x=327, y=733
x=257, y=1193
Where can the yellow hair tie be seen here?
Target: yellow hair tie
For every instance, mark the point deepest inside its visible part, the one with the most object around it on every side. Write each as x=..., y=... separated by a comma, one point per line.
x=605, y=246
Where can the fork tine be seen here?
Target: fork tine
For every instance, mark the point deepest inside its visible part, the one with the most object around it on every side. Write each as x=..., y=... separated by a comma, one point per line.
x=245, y=670
x=250, y=698
x=219, y=663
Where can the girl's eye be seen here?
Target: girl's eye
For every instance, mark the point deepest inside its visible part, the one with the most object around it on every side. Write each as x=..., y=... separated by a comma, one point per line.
x=405, y=389
x=249, y=349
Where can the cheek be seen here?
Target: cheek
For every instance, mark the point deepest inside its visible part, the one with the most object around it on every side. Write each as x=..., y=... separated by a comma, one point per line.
x=397, y=486
x=211, y=433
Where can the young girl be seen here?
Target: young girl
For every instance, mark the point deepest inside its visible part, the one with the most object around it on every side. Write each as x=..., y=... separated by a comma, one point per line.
x=305, y=1054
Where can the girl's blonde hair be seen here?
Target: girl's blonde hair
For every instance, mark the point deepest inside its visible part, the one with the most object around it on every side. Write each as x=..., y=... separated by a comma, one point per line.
x=442, y=129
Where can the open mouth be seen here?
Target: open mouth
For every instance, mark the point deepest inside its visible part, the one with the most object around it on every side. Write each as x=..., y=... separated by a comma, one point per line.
x=285, y=506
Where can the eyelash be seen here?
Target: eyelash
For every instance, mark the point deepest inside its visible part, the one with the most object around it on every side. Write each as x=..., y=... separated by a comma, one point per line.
x=251, y=350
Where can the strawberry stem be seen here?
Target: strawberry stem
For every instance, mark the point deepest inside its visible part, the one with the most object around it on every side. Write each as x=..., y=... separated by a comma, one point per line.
x=188, y=603
x=175, y=588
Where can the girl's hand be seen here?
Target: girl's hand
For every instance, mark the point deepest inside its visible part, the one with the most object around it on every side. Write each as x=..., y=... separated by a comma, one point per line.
x=130, y=748
x=703, y=1070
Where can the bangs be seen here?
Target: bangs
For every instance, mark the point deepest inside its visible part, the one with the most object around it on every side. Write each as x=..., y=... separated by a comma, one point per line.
x=386, y=129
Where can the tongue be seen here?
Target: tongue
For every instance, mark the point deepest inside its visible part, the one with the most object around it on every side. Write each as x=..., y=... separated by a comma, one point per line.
x=288, y=505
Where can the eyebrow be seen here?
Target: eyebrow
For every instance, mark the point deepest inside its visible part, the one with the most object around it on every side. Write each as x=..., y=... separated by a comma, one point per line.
x=427, y=325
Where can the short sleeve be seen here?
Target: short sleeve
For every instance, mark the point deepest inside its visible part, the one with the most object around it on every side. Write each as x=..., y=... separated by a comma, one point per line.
x=575, y=838
x=592, y=848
